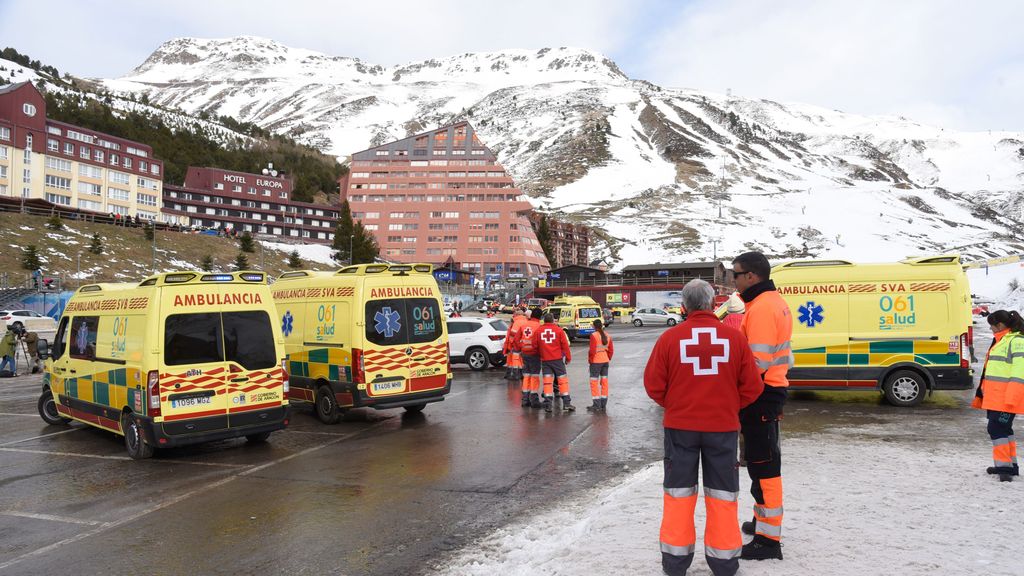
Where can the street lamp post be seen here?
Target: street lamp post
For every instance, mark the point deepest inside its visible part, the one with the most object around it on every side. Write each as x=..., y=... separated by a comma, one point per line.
x=351, y=238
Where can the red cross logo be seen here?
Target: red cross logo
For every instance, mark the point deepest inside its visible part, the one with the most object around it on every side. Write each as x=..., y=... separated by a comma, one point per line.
x=548, y=336
x=527, y=332
x=708, y=351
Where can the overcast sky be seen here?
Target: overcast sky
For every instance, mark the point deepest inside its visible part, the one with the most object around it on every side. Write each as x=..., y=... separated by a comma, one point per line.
x=947, y=62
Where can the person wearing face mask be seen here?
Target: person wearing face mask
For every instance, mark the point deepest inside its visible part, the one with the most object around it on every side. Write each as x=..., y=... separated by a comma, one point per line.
x=1001, y=392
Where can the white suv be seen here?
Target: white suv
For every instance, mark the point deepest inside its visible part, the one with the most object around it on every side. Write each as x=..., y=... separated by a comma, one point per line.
x=655, y=317
x=27, y=319
x=477, y=341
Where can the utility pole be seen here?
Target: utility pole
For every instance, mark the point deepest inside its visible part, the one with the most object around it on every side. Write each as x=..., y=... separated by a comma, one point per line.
x=153, y=267
x=351, y=238
x=78, y=274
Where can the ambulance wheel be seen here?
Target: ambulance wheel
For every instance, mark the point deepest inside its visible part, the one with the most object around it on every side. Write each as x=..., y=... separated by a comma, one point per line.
x=327, y=406
x=48, y=410
x=133, y=441
x=638, y=322
x=904, y=388
x=415, y=408
x=259, y=438
x=671, y=321
x=477, y=359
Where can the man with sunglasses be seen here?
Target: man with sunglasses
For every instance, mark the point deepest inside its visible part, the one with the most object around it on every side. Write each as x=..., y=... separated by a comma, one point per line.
x=768, y=326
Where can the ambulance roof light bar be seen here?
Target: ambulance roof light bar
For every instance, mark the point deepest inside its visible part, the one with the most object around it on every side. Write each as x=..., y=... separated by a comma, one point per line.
x=811, y=263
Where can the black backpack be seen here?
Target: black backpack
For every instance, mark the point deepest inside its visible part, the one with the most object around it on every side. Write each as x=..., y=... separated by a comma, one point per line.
x=6, y=374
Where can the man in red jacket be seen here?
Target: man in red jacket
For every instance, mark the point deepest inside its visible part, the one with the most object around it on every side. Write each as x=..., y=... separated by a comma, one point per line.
x=553, y=345
x=702, y=372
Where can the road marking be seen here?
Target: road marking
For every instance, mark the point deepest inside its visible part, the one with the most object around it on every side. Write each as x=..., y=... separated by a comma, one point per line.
x=115, y=457
x=19, y=414
x=41, y=436
x=51, y=517
x=172, y=501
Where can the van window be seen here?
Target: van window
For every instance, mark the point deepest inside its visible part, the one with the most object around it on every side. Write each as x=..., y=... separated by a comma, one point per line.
x=406, y=321
x=60, y=340
x=249, y=339
x=192, y=339
x=83, y=337
x=590, y=313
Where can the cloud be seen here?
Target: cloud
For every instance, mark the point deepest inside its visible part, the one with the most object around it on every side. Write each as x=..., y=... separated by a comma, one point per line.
x=951, y=63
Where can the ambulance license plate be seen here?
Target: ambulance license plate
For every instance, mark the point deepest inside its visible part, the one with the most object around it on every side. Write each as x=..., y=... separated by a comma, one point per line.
x=384, y=387
x=188, y=402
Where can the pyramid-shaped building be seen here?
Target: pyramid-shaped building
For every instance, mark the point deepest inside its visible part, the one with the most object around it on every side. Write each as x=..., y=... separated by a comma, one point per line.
x=440, y=196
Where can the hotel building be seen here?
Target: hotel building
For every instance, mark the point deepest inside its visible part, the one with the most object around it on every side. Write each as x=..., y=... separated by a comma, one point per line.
x=443, y=195
x=256, y=203
x=73, y=166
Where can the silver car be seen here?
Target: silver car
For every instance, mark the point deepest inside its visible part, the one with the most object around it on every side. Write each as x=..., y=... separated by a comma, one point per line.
x=654, y=317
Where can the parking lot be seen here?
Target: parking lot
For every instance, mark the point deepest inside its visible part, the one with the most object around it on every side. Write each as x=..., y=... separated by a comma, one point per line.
x=379, y=493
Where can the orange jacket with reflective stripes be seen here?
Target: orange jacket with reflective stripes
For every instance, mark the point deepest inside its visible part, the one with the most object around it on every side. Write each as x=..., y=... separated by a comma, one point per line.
x=768, y=326
x=600, y=353
x=512, y=335
x=996, y=337
x=1002, y=385
x=525, y=337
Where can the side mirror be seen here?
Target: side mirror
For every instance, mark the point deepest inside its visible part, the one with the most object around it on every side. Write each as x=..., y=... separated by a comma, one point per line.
x=44, y=349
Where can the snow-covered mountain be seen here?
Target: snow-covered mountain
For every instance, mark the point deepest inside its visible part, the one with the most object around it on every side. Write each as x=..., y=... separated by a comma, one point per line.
x=665, y=173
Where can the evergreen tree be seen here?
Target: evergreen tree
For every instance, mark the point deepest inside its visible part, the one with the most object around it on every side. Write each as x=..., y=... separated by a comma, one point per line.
x=207, y=264
x=543, y=231
x=30, y=258
x=246, y=243
x=294, y=261
x=342, y=235
x=55, y=223
x=350, y=233
x=149, y=230
x=96, y=246
x=241, y=261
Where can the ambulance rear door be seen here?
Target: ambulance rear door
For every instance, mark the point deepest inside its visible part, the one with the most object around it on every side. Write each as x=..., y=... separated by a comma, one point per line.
x=193, y=372
x=402, y=335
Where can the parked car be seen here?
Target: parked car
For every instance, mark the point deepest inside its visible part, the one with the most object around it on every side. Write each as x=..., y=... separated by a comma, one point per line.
x=27, y=319
x=484, y=305
x=477, y=341
x=608, y=316
x=655, y=317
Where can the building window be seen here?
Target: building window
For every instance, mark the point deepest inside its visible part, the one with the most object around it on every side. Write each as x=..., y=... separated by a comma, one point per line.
x=28, y=109
x=122, y=210
x=88, y=171
x=127, y=162
x=381, y=153
x=283, y=195
x=69, y=148
x=118, y=177
x=146, y=199
x=3, y=152
x=147, y=183
x=5, y=133
x=154, y=169
x=52, y=145
x=90, y=189
x=252, y=191
x=3, y=172
x=218, y=186
x=143, y=165
x=266, y=192
x=83, y=152
x=58, y=164
x=236, y=188
x=117, y=194
x=90, y=205
x=58, y=199
x=26, y=176
x=98, y=156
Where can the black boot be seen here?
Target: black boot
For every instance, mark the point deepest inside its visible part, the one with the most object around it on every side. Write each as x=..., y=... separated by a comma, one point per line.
x=761, y=548
x=567, y=404
x=1013, y=471
x=526, y=400
x=535, y=401
x=604, y=404
x=547, y=404
x=596, y=407
x=749, y=527
x=1006, y=477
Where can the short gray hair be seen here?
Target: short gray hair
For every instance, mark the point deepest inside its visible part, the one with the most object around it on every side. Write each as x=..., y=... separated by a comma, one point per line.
x=698, y=295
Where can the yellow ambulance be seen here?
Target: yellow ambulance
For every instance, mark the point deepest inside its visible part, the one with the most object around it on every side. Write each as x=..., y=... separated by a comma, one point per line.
x=576, y=315
x=180, y=358
x=902, y=328
x=369, y=335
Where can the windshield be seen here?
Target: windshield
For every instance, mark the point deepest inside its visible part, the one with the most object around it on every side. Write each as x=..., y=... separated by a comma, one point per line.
x=407, y=321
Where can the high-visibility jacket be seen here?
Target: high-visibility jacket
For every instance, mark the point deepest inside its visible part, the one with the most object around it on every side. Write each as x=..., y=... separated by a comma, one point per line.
x=552, y=343
x=600, y=353
x=768, y=326
x=525, y=336
x=996, y=337
x=1002, y=386
x=512, y=335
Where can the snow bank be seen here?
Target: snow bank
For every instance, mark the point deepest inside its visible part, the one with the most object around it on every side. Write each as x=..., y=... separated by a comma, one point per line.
x=852, y=508
x=994, y=284
x=319, y=253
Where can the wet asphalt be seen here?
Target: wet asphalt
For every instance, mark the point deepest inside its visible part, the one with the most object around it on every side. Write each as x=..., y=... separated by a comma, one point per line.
x=380, y=493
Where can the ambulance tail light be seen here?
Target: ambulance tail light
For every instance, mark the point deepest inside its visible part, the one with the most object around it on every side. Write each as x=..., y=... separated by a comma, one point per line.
x=286, y=385
x=153, y=391
x=358, y=373
x=966, y=341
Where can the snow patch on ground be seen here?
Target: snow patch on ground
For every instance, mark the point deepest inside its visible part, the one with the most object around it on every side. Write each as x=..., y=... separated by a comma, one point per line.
x=908, y=509
x=319, y=253
x=994, y=283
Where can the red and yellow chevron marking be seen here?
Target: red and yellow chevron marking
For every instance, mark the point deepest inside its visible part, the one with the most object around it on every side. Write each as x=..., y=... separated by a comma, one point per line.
x=138, y=303
x=349, y=291
x=861, y=288
x=205, y=381
x=395, y=358
x=929, y=286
